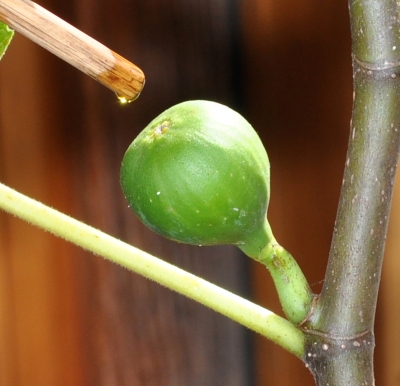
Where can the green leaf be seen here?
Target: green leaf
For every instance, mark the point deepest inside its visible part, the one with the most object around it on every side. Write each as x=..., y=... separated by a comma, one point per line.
x=6, y=34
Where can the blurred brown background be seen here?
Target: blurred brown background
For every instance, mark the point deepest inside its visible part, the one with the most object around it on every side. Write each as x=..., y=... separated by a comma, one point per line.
x=70, y=318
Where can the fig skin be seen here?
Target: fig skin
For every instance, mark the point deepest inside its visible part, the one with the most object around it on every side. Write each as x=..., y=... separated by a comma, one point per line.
x=199, y=174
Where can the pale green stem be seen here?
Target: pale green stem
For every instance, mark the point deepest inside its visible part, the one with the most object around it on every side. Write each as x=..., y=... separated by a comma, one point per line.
x=294, y=292
x=256, y=318
x=293, y=289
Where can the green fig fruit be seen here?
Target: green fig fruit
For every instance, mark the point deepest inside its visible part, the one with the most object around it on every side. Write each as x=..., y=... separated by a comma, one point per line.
x=199, y=174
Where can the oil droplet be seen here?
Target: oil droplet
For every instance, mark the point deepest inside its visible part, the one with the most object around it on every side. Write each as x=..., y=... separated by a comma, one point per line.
x=124, y=100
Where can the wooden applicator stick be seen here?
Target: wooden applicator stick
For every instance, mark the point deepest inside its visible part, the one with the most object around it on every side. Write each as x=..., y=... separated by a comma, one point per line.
x=73, y=46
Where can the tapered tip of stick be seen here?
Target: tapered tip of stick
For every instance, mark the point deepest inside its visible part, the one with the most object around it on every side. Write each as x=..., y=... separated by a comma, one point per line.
x=124, y=78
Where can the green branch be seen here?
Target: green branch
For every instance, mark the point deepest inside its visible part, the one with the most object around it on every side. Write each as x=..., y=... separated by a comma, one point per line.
x=256, y=318
x=353, y=273
x=343, y=320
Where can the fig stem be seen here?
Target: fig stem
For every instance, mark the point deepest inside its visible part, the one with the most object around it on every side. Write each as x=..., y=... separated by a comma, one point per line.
x=73, y=46
x=294, y=292
x=256, y=318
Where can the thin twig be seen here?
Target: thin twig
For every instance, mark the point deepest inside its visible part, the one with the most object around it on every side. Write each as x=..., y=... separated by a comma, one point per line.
x=73, y=46
x=257, y=318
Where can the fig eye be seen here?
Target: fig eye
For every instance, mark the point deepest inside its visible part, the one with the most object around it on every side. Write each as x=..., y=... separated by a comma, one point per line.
x=161, y=129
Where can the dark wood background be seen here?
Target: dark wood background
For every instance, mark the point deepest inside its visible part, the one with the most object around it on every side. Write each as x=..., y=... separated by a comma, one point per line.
x=70, y=318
